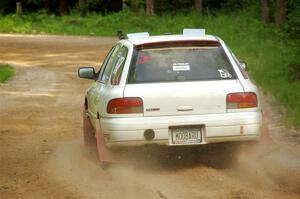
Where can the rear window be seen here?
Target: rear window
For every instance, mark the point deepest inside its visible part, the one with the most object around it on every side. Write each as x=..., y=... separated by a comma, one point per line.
x=172, y=64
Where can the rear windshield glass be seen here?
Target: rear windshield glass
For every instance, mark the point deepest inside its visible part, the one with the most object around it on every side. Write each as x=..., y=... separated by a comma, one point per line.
x=195, y=63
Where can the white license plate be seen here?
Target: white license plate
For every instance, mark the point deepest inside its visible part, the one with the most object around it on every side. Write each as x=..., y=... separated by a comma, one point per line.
x=186, y=135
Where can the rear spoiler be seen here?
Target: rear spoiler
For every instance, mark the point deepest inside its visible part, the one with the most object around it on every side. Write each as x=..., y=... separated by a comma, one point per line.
x=177, y=43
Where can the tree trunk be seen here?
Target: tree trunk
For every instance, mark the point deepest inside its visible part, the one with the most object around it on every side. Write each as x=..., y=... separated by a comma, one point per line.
x=83, y=7
x=19, y=8
x=150, y=7
x=265, y=15
x=62, y=7
x=280, y=12
x=199, y=6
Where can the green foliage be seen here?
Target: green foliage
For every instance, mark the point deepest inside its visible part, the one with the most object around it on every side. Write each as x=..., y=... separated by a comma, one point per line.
x=269, y=52
x=232, y=5
x=292, y=27
x=6, y=72
x=34, y=1
x=294, y=71
x=136, y=4
x=164, y=6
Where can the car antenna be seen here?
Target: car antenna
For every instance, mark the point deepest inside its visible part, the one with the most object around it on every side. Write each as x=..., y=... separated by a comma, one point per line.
x=121, y=35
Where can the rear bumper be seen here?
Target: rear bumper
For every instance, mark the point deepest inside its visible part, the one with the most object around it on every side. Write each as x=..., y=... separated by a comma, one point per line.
x=245, y=126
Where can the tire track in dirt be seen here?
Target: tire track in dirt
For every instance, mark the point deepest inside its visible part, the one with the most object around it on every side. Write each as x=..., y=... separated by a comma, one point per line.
x=42, y=155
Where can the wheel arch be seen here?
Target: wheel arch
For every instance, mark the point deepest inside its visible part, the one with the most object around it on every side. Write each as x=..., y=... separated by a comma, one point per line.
x=86, y=103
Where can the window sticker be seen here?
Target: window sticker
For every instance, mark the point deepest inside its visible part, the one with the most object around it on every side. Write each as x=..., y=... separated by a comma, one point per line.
x=224, y=73
x=181, y=66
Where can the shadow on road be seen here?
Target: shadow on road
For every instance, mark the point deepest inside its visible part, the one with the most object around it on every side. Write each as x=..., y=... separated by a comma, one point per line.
x=158, y=158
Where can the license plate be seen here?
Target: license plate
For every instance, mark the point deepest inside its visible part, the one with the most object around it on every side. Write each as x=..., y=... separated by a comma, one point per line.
x=186, y=135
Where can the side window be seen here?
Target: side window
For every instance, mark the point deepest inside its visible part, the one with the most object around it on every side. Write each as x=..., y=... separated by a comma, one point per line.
x=100, y=72
x=117, y=71
x=104, y=76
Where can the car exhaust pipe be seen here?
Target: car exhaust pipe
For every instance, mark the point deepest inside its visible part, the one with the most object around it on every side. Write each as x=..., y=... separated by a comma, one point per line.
x=149, y=134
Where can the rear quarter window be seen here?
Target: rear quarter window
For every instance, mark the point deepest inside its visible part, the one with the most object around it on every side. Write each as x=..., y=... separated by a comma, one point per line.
x=242, y=70
x=110, y=63
x=188, y=63
x=117, y=71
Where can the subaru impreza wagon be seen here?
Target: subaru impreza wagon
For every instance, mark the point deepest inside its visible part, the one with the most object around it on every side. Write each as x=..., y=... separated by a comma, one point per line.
x=187, y=89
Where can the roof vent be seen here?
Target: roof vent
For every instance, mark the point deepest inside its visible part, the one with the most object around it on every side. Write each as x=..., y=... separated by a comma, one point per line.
x=139, y=35
x=194, y=32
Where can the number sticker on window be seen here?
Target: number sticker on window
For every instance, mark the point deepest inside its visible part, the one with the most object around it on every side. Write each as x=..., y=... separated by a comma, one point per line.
x=224, y=73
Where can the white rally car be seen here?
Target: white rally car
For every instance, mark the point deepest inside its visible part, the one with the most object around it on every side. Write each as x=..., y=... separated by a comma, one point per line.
x=185, y=89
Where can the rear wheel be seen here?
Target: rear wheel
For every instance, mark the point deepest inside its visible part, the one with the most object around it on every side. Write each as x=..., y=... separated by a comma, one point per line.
x=104, y=165
x=88, y=131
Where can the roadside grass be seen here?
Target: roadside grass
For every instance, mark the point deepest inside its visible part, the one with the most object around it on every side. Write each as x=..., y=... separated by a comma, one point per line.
x=6, y=72
x=267, y=50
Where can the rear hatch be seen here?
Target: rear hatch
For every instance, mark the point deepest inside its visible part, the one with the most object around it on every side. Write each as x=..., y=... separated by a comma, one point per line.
x=186, y=78
x=183, y=98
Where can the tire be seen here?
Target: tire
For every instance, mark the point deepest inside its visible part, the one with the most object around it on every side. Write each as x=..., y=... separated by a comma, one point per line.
x=89, y=138
x=105, y=165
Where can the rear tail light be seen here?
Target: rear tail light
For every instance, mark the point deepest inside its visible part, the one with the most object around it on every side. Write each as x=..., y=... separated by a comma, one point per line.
x=127, y=105
x=241, y=100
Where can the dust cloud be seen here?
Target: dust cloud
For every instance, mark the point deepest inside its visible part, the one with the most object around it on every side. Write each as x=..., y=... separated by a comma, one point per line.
x=226, y=171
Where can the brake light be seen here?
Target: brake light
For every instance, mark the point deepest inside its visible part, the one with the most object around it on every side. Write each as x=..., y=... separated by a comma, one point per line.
x=127, y=105
x=241, y=100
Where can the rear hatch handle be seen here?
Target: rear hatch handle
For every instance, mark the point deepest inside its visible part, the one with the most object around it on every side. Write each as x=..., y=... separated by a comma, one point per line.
x=184, y=108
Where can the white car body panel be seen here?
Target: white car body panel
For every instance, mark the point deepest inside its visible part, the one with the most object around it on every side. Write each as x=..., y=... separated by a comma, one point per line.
x=218, y=128
x=200, y=97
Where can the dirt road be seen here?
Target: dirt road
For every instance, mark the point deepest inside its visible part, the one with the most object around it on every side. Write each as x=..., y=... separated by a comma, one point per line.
x=42, y=155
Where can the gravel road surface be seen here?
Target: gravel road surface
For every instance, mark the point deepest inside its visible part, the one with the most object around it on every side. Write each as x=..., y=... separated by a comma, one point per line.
x=42, y=153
